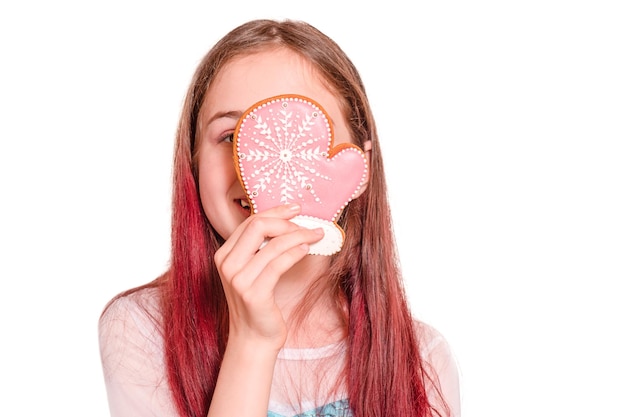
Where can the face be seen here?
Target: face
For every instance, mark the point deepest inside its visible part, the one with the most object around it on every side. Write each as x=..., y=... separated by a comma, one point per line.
x=240, y=84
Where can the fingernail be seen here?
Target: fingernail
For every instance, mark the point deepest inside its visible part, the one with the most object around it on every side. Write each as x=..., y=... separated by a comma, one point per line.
x=319, y=231
x=294, y=207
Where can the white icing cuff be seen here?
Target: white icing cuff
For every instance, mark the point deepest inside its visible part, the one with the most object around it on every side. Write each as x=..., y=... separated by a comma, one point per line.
x=332, y=241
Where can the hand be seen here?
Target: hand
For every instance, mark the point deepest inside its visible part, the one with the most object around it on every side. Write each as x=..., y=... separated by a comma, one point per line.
x=249, y=274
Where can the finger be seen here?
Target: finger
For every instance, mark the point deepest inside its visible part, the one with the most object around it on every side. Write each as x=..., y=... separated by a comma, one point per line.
x=286, y=211
x=230, y=258
x=265, y=268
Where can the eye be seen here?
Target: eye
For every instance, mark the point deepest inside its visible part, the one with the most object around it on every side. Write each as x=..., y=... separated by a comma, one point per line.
x=229, y=137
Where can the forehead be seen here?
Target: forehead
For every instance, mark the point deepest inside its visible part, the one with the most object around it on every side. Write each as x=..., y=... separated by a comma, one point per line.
x=248, y=79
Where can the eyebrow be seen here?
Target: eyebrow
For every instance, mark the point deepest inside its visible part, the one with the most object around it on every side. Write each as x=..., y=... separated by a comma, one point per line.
x=232, y=114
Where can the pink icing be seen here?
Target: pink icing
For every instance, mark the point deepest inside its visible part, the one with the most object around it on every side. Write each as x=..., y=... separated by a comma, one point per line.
x=284, y=154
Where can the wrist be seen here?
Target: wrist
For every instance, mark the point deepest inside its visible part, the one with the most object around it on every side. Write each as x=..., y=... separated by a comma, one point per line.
x=259, y=348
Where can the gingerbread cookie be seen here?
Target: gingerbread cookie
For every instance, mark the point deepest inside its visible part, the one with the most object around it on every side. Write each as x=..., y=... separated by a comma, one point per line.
x=284, y=153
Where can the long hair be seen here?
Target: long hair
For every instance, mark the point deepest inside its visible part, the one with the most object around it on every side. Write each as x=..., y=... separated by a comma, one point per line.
x=385, y=374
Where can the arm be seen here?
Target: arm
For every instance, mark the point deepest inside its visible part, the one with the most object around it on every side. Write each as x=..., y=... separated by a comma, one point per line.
x=244, y=381
x=446, y=368
x=132, y=358
x=257, y=329
x=437, y=353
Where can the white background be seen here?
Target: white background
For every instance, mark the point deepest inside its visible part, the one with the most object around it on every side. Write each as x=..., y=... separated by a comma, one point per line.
x=502, y=125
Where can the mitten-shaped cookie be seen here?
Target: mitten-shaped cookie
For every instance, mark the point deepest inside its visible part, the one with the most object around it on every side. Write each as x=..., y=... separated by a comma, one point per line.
x=284, y=153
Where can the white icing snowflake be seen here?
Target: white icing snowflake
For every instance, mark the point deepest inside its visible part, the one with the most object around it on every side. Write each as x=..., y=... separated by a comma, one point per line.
x=282, y=151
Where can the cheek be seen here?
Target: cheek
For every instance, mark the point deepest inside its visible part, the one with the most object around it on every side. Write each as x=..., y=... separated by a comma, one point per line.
x=216, y=171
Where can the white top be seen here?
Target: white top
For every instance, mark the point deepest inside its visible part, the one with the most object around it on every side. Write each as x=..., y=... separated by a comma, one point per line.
x=131, y=348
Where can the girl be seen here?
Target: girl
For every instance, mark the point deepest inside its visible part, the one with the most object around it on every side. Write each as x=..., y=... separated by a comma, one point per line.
x=231, y=329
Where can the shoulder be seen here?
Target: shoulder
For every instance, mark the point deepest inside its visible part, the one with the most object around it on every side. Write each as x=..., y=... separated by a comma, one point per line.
x=132, y=355
x=435, y=351
x=430, y=339
x=131, y=323
x=135, y=304
x=441, y=365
